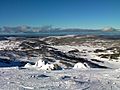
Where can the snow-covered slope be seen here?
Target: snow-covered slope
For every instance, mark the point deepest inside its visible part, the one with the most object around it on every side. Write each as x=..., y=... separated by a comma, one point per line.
x=73, y=63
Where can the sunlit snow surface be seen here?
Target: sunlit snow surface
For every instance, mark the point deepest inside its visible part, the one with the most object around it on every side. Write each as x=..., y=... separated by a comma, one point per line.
x=28, y=79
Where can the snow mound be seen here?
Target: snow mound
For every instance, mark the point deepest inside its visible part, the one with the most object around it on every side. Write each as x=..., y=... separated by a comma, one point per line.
x=80, y=66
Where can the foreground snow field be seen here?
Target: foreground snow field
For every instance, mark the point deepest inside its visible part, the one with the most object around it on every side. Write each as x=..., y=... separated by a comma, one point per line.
x=30, y=79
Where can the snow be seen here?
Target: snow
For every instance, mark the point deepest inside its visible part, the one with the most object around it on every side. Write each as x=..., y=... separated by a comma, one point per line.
x=66, y=48
x=91, y=55
x=6, y=44
x=61, y=36
x=47, y=67
x=27, y=79
x=80, y=66
x=28, y=65
x=42, y=76
x=40, y=65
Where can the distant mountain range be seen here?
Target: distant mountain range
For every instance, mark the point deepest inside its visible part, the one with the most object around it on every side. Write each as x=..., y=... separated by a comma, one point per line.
x=28, y=29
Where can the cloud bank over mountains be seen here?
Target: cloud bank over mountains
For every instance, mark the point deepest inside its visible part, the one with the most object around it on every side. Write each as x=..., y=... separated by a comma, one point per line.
x=24, y=29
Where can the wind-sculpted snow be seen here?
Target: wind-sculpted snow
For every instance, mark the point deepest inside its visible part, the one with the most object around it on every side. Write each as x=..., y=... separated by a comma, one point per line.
x=40, y=65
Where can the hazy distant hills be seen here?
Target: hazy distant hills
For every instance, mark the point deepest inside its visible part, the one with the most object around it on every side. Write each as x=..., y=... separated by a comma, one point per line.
x=28, y=29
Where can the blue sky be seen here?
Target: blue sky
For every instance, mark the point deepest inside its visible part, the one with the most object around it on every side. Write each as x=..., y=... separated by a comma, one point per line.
x=61, y=13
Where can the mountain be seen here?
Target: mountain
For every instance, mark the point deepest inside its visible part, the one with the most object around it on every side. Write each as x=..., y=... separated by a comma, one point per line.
x=109, y=29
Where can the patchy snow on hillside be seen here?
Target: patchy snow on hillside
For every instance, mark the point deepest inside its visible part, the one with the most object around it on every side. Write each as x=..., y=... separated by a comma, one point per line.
x=9, y=45
x=35, y=65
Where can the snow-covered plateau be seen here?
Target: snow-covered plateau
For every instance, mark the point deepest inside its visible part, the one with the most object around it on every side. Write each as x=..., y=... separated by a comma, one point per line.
x=60, y=63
